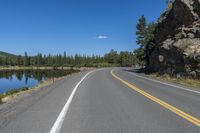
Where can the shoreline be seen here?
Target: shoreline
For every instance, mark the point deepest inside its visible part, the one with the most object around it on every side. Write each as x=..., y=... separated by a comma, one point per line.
x=22, y=93
x=12, y=97
x=42, y=68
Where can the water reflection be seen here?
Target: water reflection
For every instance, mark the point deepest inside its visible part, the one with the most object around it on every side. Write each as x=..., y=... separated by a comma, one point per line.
x=13, y=79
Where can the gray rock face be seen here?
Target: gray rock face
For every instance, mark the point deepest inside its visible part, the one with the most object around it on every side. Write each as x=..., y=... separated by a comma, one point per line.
x=178, y=39
x=197, y=57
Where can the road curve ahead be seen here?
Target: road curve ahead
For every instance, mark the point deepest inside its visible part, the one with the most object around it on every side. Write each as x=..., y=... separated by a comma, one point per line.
x=109, y=102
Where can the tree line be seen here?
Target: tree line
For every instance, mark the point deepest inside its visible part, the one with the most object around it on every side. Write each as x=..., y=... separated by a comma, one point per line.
x=113, y=58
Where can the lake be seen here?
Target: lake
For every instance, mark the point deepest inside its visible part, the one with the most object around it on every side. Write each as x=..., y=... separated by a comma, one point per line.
x=15, y=79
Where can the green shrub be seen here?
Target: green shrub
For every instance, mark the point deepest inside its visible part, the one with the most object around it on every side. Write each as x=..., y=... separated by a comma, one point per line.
x=24, y=89
x=107, y=65
x=13, y=91
x=1, y=99
x=170, y=6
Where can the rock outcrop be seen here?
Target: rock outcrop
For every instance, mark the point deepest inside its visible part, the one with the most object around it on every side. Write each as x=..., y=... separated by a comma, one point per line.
x=177, y=38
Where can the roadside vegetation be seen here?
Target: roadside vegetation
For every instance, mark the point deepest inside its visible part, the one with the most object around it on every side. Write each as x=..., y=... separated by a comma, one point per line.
x=1, y=99
x=183, y=81
x=13, y=91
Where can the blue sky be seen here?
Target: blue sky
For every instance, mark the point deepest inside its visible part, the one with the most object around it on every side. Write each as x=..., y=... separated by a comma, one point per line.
x=75, y=26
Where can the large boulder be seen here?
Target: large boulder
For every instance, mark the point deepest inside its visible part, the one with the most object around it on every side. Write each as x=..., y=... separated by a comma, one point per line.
x=177, y=38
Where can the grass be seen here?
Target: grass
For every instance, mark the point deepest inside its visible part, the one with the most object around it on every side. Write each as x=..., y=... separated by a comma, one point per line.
x=13, y=91
x=183, y=81
x=1, y=98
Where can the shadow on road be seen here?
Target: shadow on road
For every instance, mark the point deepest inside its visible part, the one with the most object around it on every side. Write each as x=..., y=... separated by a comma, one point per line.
x=134, y=70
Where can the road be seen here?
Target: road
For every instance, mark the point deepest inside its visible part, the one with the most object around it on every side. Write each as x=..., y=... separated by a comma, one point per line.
x=102, y=101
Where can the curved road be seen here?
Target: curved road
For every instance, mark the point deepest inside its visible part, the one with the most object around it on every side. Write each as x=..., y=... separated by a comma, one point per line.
x=105, y=102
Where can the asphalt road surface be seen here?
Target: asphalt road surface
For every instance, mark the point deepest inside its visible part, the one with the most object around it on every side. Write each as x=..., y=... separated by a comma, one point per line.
x=101, y=101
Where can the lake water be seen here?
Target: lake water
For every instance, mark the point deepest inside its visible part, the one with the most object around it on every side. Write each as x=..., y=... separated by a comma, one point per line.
x=15, y=79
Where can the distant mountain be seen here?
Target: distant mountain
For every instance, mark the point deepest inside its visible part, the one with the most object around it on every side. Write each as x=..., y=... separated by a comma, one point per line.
x=4, y=54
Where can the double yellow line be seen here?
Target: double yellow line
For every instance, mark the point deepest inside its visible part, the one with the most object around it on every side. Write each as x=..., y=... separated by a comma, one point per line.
x=177, y=111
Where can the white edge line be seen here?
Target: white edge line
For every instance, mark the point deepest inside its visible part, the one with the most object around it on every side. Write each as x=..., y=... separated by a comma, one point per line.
x=58, y=123
x=179, y=87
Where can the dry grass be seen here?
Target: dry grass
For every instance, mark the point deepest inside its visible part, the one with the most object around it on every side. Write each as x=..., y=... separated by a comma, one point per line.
x=183, y=81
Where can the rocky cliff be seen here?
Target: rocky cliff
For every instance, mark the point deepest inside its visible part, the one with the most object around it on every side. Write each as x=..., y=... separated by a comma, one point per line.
x=177, y=38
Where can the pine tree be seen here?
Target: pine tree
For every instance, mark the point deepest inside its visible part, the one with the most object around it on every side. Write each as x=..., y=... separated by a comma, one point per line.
x=145, y=38
x=26, y=59
x=141, y=31
x=65, y=58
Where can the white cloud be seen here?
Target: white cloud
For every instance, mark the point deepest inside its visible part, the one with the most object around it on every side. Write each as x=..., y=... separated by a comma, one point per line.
x=102, y=37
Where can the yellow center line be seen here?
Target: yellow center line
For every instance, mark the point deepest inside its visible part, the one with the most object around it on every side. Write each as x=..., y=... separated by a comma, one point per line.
x=177, y=111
